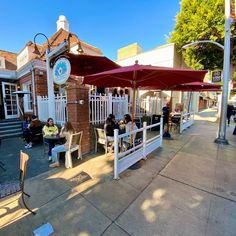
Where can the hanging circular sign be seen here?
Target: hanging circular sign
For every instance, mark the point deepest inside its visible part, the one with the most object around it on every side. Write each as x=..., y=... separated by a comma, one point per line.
x=61, y=71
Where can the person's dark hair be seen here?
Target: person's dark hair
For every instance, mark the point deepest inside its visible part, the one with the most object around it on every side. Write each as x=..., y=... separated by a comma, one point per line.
x=115, y=93
x=121, y=92
x=127, y=118
x=68, y=127
x=49, y=119
x=111, y=116
x=34, y=117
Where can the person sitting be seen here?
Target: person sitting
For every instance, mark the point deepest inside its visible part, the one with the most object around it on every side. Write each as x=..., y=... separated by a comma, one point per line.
x=115, y=93
x=66, y=131
x=26, y=124
x=122, y=93
x=35, y=127
x=50, y=129
x=110, y=126
x=129, y=126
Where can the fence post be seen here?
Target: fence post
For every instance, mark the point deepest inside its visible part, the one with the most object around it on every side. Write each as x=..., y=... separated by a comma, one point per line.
x=144, y=139
x=110, y=103
x=126, y=104
x=116, y=142
x=39, y=104
x=161, y=130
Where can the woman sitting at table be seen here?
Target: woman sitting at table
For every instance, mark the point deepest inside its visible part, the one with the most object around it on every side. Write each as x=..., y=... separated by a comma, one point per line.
x=66, y=131
x=129, y=127
x=110, y=126
x=50, y=129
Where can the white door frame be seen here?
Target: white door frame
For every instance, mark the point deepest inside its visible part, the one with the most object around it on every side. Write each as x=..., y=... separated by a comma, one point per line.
x=9, y=100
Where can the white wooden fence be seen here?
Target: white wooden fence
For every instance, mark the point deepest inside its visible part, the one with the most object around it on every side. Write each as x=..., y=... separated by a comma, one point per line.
x=60, y=108
x=186, y=120
x=148, y=106
x=123, y=160
x=103, y=105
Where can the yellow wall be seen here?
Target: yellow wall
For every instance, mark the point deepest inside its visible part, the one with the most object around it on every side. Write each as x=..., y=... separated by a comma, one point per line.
x=128, y=51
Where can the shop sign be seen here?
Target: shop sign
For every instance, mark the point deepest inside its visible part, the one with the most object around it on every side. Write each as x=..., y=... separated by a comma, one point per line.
x=61, y=71
x=216, y=76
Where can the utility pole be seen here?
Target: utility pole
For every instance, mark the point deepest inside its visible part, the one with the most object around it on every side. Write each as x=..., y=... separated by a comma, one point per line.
x=221, y=139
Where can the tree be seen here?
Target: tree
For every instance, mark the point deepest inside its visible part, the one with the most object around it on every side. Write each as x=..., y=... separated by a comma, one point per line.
x=200, y=20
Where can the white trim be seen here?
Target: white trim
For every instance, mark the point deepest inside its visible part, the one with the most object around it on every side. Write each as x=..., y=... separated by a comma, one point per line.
x=26, y=97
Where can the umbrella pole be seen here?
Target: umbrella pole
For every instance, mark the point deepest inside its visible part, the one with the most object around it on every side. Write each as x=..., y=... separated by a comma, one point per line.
x=133, y=110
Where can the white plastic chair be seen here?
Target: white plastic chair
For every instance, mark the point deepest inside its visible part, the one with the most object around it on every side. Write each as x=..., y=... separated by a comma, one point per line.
x=101, y=138
x=74, y=145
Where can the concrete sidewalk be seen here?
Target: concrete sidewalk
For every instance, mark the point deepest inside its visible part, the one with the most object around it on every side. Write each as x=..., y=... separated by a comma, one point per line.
x=187, y=188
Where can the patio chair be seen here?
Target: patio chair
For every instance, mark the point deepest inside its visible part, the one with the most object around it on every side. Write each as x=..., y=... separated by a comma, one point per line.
x=175, y=122
x=17, y=186
x=74, y=145
x=101, y=138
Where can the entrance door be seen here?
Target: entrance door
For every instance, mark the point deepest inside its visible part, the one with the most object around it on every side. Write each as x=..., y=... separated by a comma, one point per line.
x=10, y=100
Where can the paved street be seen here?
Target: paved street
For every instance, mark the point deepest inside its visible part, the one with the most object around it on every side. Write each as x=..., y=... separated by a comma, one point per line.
x=185, y=188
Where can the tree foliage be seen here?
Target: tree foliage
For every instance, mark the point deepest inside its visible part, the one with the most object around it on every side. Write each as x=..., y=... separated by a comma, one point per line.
x=200, y=20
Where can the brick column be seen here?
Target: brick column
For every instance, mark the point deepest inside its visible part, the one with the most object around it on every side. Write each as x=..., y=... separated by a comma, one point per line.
x=78, y=113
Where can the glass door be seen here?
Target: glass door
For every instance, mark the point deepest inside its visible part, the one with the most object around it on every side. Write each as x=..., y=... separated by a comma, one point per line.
x=10, y=100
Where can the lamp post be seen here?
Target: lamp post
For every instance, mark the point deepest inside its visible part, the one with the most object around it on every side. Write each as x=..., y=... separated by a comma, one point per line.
x=50, y=54
x=221, y=139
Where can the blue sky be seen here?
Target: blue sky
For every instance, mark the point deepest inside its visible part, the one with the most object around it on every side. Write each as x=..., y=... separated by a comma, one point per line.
x=106, y=24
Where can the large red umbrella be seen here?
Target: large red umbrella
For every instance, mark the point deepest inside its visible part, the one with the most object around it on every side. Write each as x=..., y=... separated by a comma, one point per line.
x=196, y=86
x=136, y=75
x=83, y=64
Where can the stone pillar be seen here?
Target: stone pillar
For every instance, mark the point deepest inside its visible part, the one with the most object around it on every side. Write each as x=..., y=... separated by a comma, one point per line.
x=78, y=112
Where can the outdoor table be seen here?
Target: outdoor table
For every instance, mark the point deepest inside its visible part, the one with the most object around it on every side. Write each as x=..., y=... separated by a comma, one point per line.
x=52, y=137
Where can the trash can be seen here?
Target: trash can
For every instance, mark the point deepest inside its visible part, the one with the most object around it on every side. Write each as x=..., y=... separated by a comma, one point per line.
x=156, y=119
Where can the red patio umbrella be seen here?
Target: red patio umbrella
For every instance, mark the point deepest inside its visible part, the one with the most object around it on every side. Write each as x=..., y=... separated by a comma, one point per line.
x=136, y=75
x=196, y=86
x=83, y=64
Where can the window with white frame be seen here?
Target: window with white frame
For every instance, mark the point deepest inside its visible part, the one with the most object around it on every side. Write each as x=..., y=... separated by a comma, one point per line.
x=28, y=98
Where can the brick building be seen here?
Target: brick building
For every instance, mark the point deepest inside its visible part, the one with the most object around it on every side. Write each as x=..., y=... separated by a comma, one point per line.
x=26, y=71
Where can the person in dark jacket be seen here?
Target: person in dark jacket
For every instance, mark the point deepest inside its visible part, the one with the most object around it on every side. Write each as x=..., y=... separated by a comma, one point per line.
x=230, y=110
x=35, y=127
x=110, y=126
x=166, y=114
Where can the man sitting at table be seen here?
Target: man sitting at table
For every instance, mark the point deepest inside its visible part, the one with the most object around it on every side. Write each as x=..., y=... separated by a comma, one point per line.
x=35, y=127
x=50, y=129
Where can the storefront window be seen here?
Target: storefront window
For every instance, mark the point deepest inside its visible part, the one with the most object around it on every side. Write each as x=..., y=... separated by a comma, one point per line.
x=28, y=98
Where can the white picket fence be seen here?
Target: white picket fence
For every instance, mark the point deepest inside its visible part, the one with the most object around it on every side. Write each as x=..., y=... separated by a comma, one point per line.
x=60, y=108
x=124, y=159
x=186, y=120
x=148, y=106
x=103, y=105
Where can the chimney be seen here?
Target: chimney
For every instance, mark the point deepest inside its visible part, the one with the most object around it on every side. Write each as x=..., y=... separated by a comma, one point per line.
x=62, y=23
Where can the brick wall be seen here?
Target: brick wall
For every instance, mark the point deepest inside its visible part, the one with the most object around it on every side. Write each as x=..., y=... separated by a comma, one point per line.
x=78, y=114
x=10, y=59
x=40, y=84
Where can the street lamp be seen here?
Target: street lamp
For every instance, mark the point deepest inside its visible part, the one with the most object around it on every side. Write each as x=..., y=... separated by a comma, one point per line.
x=221, y=139
x=50, y=54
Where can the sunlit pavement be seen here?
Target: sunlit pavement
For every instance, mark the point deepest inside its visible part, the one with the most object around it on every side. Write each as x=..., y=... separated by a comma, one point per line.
x=187, y=188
